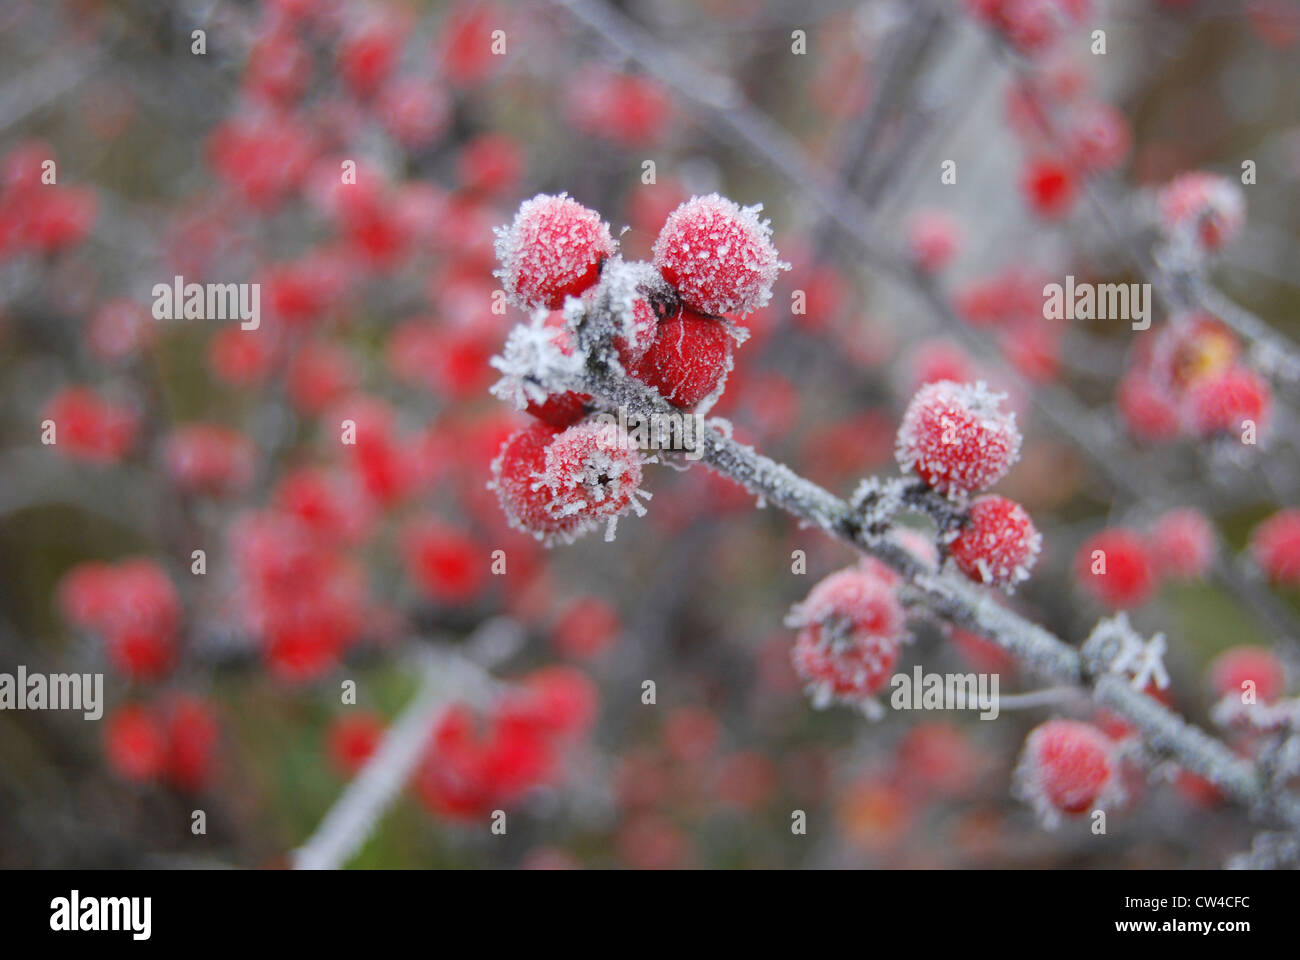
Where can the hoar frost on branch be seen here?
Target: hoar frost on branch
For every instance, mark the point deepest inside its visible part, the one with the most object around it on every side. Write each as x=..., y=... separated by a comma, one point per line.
x=562, y=475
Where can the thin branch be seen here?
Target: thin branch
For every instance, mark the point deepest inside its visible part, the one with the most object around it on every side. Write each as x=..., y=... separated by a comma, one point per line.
x=445, y=677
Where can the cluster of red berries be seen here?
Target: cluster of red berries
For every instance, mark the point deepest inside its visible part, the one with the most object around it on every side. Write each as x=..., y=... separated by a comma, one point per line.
x=1121, y=568
x=91, y=427
x=172, y=742
x=1275, y=546
x=133, y=605
x=1191, y=379
x=301, y=596
x=958, y=440
x=562, y=475
x=38, y=215
x=477, y=763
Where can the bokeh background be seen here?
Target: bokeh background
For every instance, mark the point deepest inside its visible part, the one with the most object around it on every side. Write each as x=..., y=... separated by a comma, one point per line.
x=327, y=563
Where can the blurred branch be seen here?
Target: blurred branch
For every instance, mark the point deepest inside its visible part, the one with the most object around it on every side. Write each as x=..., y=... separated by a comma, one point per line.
x=445, y=677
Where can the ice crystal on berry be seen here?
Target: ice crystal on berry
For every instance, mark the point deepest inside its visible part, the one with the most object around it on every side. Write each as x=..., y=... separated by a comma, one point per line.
x=718, y=255
x=553, y=249
x=957, y=438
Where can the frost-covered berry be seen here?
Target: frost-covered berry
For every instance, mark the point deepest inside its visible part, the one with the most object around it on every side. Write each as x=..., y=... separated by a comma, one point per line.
x=1204, y=208
x=688, y=360
x=569, y=406
x=1148, y=410
x=1275, y=545
x=633, y=343
x=1182, y=544
x=514, y=472
x=999, y=545
x=1221, y=404
x=956, y=438
x=932, y=239
x=1067, y=767
x=1099, y=137
x=1234, y=668
x=718, y=255
x=557, y=485
x=591, y=474
x=1115, y=568
x=851, y=627
x=554, y=248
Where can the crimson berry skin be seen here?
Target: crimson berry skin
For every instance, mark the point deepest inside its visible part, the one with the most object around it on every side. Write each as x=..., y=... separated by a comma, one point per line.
x=553, y=249
x=1232, y=668
x=1221, y=404
x=689, y=358
x=956, y=438
x=1275, y=545
x=718, y=255
x=1068, y=767
x=1115, y=567
x=557, y=485
x=521, y=461
x=1183, y=545
x=852, y=626
x=999, y=545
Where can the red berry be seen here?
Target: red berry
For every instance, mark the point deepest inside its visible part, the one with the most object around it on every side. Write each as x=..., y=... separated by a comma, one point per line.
x=1202, y=208
x=931, y=361
x=206, y=458
x=89, y=427
x=956, y=438
x=191, y=743
x=241, y=358
x=1148, y=410
x=1115, y=568
x=353, y=738
x=629, y=110
x=1258, y=665
x=1068, y=767
x=851, y=628
x=515, y=471
x=1275, y=545
x=1050, y=188
x=119, y=329
x=490, y=163
x=1182, y=544
x=558, y=485
x=447, y=564
x=999, y=544
x=553, y=249
x=1100, y=137
x=1221, y=404
x=586, y=628
x=135, y=743
x=368, y=53
x=688, y=360
x=718, y=255
x=932, y=238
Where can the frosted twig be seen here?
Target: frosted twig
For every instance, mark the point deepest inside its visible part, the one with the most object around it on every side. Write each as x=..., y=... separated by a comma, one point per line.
x=953, y=598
